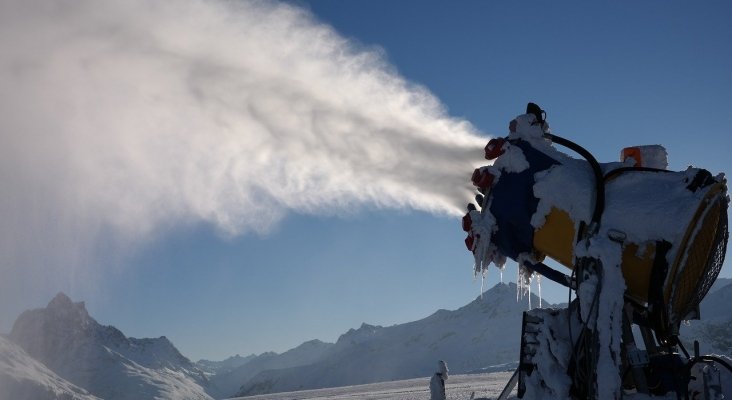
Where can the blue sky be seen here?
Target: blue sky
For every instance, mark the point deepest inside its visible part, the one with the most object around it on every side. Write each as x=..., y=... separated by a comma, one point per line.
x=609, y=75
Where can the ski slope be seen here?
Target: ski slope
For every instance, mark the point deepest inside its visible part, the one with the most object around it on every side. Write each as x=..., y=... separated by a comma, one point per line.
x=458, y=387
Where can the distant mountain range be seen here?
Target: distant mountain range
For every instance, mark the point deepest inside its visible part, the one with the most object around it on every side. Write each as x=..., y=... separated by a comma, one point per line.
x=61, y=352
x=714, y=330
x=221, y=367
x=229, y=383
x=482, y=333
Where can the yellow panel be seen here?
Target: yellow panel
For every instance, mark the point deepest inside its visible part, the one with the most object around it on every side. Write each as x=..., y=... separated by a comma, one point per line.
x=637, y=270
x=556, y=237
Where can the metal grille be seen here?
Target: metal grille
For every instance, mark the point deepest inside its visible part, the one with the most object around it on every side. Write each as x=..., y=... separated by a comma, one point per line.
x=716, y=258
x=705, y=257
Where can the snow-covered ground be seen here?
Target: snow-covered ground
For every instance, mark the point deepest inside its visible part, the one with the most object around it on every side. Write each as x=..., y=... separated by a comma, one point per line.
x=458, y=387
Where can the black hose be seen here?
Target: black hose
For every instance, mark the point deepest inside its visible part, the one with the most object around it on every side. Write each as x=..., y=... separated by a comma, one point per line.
x=550, y=273
x=599, y=181
x=623, y=170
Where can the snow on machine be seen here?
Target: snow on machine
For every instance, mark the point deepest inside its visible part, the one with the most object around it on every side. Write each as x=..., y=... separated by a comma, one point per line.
x=642, y=244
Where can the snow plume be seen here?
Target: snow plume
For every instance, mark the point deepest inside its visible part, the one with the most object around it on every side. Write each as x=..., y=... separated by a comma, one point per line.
x=122, y=118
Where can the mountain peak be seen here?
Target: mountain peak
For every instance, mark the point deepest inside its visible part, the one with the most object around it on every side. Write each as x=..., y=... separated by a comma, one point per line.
x=60, y=299
x=46, y=332
x=502, y=288
x=313, y=343
x=501, y=299
x=61, y=307
x=61, y=317
x=361, y=334
x=62, y=302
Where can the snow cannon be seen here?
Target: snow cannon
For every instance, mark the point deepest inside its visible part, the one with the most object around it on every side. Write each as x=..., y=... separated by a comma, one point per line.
x=642, y=244
x=669, y=228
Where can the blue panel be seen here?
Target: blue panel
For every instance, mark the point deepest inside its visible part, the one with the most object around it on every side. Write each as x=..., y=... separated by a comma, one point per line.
x=514, y=203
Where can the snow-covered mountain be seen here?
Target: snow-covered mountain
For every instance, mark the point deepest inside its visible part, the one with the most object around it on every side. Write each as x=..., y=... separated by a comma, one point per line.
x=24, y=378
x=714, y=330
x=482, y=333
x=227, y=384
x=720, y=283
x=102, y=359
x=221, y=367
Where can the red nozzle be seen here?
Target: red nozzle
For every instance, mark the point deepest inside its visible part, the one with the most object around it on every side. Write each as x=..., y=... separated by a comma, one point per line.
x=467, y=222
x=482, y=178
x=469, y=242
x=494, y=148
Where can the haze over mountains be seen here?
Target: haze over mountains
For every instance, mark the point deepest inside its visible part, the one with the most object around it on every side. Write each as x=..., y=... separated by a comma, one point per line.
x=62, y=352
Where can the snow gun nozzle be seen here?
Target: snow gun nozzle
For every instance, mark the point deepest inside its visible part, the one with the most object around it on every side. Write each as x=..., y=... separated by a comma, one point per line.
x=470, y=242
x=494, y=148
x=467, y=222
x=482, y=179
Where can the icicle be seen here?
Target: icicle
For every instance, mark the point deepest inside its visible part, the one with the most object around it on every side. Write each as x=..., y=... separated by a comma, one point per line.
x=500, y=262
x=482, y=282
x=538, y=284
x=518, y=283
x=523, y=283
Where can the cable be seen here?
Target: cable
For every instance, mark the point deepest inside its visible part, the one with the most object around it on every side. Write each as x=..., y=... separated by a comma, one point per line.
x=569, y=303
x=589, y=362
x=623, y=170
x=599, y=182
x=683, y=349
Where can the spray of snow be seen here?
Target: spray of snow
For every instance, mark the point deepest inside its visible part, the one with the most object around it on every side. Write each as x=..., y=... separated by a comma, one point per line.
x=122, y=119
